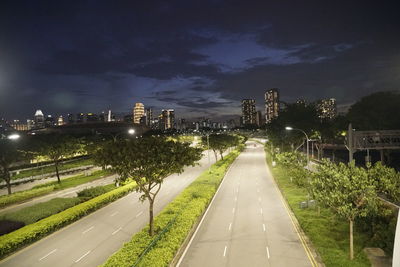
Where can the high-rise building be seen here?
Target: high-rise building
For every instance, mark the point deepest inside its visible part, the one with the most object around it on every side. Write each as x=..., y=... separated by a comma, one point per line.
x=39, y=119
x=71, y=118
x=80, y=118
x=138, y=112
x=19, y=126
x=327, y=108
x=167, y=119
x=248, y=112
x=271, y=104
x=60, y=120
x=49, y=121
x=149, y=116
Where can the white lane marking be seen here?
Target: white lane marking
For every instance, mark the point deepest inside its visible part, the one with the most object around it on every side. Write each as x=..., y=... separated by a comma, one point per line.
x=233, y=210
x=116, y=231
x=258, y=190
x=264, y=226
x=259, y=199
x=237, y=190
x=115, y=213
x=230, y=226
x=48, y=254
x=235, y=199
x=261, y=210
x=87, y=230
x=268, y=252
x=84, y=255
x=225, y=251
x=140, y=213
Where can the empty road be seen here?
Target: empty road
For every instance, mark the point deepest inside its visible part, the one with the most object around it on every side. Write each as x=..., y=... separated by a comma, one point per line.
x=92, y=239
x=247, y=224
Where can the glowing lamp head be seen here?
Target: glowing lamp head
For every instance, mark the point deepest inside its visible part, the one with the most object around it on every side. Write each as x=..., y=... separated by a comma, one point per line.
x=13, y=136
x=288, y=128
x=131, y=131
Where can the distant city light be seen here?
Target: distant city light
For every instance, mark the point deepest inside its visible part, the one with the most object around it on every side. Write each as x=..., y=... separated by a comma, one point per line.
x=131, y=131
x=13, y=136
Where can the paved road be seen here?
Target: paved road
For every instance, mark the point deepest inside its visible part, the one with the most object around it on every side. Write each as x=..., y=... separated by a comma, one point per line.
x=91, y=240
x=247, y=223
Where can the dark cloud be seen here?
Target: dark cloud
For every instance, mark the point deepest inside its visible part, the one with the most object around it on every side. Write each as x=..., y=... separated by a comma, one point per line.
x=200, y=56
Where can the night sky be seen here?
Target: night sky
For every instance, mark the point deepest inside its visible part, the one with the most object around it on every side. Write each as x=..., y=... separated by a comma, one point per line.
x=198, y=57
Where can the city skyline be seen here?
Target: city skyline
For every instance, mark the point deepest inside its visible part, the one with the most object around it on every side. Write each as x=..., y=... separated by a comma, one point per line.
x=199, y=59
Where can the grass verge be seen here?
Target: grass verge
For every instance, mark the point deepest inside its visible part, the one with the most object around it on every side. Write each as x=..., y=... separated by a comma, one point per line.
x=47, y=188
x=185, y=209
x=328, y=233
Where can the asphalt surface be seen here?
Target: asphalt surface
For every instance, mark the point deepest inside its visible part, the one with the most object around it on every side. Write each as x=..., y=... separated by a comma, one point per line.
x=247, y=224
x=92, y=239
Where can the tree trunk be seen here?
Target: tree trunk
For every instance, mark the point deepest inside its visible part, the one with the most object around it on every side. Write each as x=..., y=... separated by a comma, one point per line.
x=151, y=223
x=382, y=157
x=7, y=178
x=57, y=173
x=216, y=155
x=351, y=239
x=221, y=153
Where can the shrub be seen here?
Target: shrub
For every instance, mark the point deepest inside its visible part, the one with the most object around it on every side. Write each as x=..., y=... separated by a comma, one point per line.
x=7, y=226
x=30, y=233
x=92, y=192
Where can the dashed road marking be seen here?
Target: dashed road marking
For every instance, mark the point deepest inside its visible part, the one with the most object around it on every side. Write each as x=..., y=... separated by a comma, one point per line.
x=261, y=211
x=115, y=213
x=84, y=255
x=116, y=231
x=87, y=230
x=233, y=210
x=48, y=254
x=225, y=251
x=264, y=227
x=268, y=252
x=140, y=213
x=230, y=226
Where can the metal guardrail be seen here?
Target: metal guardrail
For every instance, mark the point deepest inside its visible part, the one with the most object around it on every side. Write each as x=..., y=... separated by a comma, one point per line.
x=155, y=240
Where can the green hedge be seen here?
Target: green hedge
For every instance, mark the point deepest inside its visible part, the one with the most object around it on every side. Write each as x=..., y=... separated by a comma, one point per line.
x=30, y=233
x=24, y=195
x=187, y=208
x=93, y=192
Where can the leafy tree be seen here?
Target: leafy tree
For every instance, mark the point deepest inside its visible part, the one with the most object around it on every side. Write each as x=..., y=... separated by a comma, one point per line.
x=9, y=154
x=386, y=180
x=376, y=112
x=148, y=161
x=347, y=190
x=219, y=143
x=57, y=147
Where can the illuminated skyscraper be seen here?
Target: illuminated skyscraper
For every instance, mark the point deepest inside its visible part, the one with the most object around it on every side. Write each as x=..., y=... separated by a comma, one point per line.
x=327, y=108
x=138, y=112
x=167, y=119
x=271, y=104
x=149, y=116
x=39, y=119
x=248, y=112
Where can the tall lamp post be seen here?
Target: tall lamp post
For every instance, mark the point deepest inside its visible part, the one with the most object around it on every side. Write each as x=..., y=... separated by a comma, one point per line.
x=288, y=128
x=208, y=151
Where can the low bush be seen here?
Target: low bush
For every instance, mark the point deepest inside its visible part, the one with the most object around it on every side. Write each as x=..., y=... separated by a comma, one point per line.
x=42, y=210
x=7, y=226
x=24, y=195
x=30, y=233
x=185, y=209
x=92, y=192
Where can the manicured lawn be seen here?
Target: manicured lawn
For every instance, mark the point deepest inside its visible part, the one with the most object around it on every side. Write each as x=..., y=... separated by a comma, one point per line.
x=329, y=234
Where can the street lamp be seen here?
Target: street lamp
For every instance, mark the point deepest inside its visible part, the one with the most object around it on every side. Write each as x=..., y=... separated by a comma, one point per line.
x=13, y=136
x=131, y=131
x=288, y=128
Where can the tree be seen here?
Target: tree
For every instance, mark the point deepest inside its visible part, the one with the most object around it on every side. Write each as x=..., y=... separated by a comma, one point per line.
x=57, y=147
x=219, y=143
x=148, y=161
x=9, y=154
x=373, y=112
x=347, y=190
x=386, y=181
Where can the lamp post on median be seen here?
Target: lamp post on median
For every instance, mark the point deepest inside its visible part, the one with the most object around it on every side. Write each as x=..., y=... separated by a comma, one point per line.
x=288, y=128
x=208, y=152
